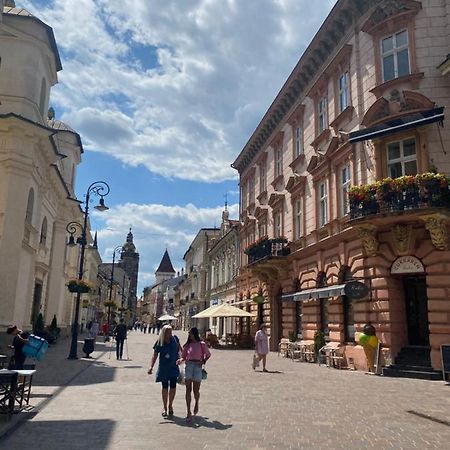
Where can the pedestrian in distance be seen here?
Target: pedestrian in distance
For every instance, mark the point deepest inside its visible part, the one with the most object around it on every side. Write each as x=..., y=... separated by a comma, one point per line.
x=261, y=347
x=20, y=339
x=195, y=354
x=120, y=333
x=168, y=348
x=93, y=331
x=105, y=331
x=145, y=328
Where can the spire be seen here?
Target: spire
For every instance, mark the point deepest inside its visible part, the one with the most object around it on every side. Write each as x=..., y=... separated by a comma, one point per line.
x=165, y=266
x=94, y=245
x=130, y=236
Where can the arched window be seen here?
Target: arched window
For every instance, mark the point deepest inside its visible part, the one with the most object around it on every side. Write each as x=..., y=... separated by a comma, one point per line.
x=30, y=207
x=43, y=238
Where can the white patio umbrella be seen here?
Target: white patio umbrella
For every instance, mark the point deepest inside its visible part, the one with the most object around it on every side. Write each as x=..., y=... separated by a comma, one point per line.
x=223, y=310
x=165, y=317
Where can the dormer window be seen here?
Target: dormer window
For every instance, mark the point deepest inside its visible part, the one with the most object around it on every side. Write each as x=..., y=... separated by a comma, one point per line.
x=395, y=55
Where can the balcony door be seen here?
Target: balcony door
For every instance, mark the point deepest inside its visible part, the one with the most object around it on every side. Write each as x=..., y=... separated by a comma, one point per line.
x=416, y=300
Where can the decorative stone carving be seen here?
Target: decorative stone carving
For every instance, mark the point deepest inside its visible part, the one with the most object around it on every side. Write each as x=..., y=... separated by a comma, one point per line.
x=368, y=236
x=401, y=234
x=436, y=224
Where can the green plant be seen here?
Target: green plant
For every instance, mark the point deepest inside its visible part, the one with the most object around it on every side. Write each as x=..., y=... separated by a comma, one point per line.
x=39, y=323
x=53, y=327
x=292, y=337
x=319, y=341
x=81, y=286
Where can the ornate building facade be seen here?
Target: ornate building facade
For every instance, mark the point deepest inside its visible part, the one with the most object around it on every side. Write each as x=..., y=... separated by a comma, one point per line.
x=129, y=262
x=38, y=160
x=340, y=181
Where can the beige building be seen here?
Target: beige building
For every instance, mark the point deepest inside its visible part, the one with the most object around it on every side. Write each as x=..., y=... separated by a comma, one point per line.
x=38, y=160
x=364, y=106
x=223, y=269
x=194, y=288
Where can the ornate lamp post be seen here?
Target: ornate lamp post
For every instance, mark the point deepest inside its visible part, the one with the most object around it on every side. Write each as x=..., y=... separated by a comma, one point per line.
x=111, y=281
x=99, y=189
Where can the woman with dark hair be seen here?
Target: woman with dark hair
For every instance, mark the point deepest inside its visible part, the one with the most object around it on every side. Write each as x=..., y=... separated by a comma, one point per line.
x=195, y=354
x=167, y=347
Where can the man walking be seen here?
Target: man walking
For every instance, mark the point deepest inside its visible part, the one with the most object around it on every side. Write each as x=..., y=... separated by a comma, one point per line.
x=120, y=333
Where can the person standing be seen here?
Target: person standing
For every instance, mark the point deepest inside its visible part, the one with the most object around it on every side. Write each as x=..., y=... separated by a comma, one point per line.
x=195, y=354
x=167, y=347
x=120, y=333
x=19, y=341
x=93, y=331
x=261, y=346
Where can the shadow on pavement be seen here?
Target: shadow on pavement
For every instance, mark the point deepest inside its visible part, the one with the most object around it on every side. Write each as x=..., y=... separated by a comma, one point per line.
x=197, y=422
x=57, y=434
x=98, y=373
x=268, y=371
x=427, y=416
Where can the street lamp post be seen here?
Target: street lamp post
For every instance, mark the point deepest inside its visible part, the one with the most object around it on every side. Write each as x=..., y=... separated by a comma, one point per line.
x=117, y=249
x=100, y=189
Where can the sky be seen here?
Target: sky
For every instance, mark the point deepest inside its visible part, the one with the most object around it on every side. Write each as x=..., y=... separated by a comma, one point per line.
x=165, y=94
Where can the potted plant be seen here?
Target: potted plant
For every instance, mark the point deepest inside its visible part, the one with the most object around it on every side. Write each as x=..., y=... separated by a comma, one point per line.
x=80, y=286
x=319, y=341
x=292, y=337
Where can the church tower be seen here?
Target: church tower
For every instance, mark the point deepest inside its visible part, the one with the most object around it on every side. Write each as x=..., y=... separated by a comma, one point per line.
x=165, y=270
x=129, y=262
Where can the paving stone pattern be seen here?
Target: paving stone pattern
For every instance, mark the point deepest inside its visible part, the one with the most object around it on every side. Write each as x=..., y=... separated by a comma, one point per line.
x=114, y=404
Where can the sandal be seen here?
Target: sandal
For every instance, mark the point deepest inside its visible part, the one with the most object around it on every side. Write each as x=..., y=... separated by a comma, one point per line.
x=164, y=413
x=170, y=412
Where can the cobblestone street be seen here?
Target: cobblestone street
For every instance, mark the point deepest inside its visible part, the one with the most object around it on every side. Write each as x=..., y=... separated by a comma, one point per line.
x=116, y=405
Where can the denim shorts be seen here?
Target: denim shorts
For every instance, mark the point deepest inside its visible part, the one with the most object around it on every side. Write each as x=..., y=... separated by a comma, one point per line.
x=193, y=371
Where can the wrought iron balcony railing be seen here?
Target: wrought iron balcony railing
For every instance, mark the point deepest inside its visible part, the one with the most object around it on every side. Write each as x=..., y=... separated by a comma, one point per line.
x=426, y=190
x=267, y=247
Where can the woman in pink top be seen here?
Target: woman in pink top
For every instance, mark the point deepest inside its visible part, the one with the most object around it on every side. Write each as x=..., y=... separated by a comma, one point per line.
x=195, y=353
x=261, y=346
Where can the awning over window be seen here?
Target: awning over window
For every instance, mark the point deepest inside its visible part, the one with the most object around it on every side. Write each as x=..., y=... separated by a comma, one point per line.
x=398, y=124
x=307, y=294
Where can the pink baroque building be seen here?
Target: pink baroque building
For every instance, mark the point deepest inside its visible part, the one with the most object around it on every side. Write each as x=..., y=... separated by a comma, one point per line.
x=345, y=179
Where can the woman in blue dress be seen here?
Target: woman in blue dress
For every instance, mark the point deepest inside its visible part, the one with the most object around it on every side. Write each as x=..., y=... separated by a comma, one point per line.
x=168, y=348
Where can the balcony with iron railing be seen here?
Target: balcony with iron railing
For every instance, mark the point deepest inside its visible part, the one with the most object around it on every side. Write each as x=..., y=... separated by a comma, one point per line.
x=266, y=247
x=404, y=194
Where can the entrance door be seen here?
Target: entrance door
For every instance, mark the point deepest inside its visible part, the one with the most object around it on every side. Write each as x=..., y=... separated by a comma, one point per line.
x=416, y=310
x=36, y=306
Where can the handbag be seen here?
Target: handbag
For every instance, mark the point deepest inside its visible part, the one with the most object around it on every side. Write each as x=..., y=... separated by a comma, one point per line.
x=181, y=379
x=204, y=372
x=255, y=360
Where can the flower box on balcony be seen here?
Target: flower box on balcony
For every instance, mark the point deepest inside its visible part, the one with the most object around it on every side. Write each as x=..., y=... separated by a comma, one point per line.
x=398, y=194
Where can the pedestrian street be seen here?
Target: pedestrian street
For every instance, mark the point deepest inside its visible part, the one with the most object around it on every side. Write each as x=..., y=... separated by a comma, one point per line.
x=114, y=404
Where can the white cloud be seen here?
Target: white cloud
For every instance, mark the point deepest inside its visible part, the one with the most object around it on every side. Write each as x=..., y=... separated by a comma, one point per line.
x=186, y=111
x=155, y=228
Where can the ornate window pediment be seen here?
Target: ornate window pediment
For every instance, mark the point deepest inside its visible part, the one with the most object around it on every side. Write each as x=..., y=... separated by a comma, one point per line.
x=391, y=12
x=295, y=182
x=275, y=198
x=397, y=105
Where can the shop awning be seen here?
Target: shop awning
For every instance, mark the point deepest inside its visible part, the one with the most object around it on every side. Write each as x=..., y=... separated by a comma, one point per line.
x=307, y=294
x=399, y=124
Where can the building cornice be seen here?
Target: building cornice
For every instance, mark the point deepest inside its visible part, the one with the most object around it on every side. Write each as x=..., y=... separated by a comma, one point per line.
x=313, y=61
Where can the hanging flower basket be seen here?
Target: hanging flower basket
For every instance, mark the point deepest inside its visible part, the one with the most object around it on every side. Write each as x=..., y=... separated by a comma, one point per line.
x=111, y=305
x=79, y=286
x=85, y=304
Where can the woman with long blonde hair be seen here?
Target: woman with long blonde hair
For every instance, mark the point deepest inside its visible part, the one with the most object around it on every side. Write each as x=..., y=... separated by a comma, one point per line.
x=168, y=348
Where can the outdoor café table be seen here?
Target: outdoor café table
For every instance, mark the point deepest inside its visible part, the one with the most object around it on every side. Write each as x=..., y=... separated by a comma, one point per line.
x=25, y=380
x=8, y=387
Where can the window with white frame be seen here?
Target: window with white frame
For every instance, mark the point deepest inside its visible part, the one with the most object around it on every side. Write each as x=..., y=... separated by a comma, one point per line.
x=322, y=114
x=299, y=149
x=277, y=224
x=402, y=158
x=345, y=186
x=251, y=190
x=344, y=92
x=298, y=229
x=323, y=204
x=244, y=197
x=278, y=162
x=262, y=229
x=262, y=177
x=395, y=55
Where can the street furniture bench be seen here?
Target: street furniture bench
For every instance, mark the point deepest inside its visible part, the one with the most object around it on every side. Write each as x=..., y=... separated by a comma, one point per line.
x=8, y=389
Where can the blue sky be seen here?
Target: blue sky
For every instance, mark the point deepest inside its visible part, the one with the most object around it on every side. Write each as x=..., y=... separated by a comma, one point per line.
x=165, y=93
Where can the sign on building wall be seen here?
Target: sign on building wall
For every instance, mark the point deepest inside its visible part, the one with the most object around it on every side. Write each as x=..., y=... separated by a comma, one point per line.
x=407, y=264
